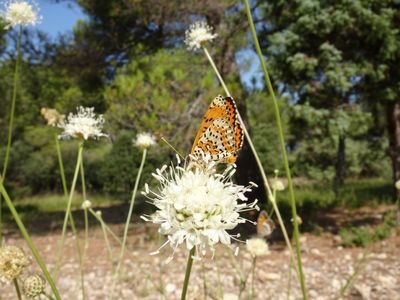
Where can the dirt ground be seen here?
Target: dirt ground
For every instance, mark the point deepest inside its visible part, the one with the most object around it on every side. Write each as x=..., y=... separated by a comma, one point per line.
x=327, y=266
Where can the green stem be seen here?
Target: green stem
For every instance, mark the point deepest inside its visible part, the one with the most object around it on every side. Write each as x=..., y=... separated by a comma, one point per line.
x=10, y=125
x=128, y=221
x=71, y=219
x=110, y=254
x=253, y=275
x=187, y=273
x=283, y=149
x=270, y=194
x=68, y=211
x=28, y=240
x=350, y=280
x=85, y=210
x=17, y=290
x=61, y=166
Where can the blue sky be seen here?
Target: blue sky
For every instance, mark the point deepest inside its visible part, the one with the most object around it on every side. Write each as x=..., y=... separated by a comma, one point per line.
x=58, y=17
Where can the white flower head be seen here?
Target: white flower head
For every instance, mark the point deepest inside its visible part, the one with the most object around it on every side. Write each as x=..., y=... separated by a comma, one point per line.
x=86, y=204
x=277, y=185
x=198, y=34
x=145, y=140
x=197, y=207
x=13, y=261
x=397, y=185
x=83, y=125
x=21, y=12
x=257, y=246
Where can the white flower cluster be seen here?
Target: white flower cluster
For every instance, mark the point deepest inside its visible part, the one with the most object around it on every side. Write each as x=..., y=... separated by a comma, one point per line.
x=197, y=206
x=197, y=34
x=145, y=140
x=257, y=246
x=83, y=125
x=19, y=12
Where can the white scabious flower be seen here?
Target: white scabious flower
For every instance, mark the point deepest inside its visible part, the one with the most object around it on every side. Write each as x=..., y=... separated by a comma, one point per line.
x=397, y=185
x=197, y=206
x=83, y=125
x=257, y=246
x=86, y=204
x=198, y=34
x=277, y=185
x=19, y=12
x=145, y=140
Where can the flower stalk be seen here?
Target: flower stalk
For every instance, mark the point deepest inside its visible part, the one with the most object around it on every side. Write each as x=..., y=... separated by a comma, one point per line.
x=270, y=193
x=128, y=221
x=283, y=149
x=17, y=289
x=68, y=216
x=187, y=273
x=28, y=240
x=11, y=124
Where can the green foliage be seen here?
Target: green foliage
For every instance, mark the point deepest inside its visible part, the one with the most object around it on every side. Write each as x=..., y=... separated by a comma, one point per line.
x=165, y=93
x=363, y=236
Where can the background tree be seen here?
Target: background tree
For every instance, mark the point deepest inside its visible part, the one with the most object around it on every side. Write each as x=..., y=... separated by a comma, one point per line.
x=335, y=54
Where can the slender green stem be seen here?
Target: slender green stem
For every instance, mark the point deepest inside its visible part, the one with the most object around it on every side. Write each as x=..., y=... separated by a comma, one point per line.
x=47, y=296
x=61, y=166
x=220, y=289
x=100, y=219
x=357, y=270
x=17, y=289
x=85, y=210
x=71, y=219
x=10, y=125
x=270, y=194
x=253, y=275
x=28, y=240
x=187, y=273
x=103, y=227
x=68, y=211
x=283, y=149
x=128, y=221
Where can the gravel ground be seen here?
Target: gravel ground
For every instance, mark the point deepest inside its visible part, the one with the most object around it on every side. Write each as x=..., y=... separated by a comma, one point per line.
x=327, y=265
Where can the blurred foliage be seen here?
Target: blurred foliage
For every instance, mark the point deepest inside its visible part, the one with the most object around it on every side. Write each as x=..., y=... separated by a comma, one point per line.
x=166, y=93
x=335, y=65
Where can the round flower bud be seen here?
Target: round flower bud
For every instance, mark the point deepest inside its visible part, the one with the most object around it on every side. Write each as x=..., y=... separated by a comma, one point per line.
x=33, y=286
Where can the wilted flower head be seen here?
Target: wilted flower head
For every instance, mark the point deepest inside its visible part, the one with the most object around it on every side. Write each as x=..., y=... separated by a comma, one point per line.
x=198, y=34
x=86, y=204
x=83, y=125
x=145, y=140
x=33, y=286
x=197, y=206
x=19, y=12
x=257, y=246
x=12, y=262
x=52, y=116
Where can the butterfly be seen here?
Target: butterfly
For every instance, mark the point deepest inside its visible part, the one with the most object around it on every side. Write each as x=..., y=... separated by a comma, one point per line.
x=265, y=225
x=220, y=134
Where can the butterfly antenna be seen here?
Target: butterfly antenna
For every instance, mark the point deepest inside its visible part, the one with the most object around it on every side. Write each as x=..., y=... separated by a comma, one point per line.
x=172, y=147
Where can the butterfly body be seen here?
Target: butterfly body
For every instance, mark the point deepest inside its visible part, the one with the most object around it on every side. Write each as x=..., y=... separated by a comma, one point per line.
x=265, y=226
x=220, y=134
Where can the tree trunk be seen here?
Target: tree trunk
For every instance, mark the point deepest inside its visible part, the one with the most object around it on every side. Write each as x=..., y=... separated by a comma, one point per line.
x=340, y=165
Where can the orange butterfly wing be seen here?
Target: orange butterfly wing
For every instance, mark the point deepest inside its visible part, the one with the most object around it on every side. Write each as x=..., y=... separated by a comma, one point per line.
x=265, y=225
x=220, y=133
